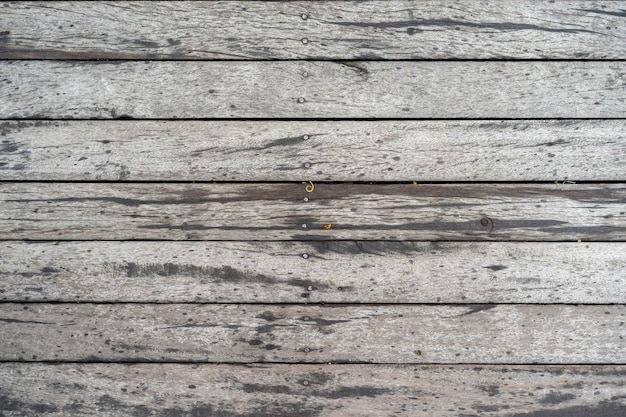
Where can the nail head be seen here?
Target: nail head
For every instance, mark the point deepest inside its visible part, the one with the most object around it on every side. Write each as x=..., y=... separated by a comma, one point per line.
x=304, y=225
x=307, y=165
x=306, y=318
x=305, y=382
x=305, y=41
x=307, y=350
x=306, y=199
x=301, y=100
x=305, y=137
x=309, y=288
x=305, y=255
x=305, y=16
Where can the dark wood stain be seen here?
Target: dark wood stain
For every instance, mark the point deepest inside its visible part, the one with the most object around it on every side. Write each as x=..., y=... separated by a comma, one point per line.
x=602, y=410
x=446, y=23
x=8, y=404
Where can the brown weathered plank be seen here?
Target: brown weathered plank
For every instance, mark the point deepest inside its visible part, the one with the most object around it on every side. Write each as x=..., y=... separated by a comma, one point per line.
x=311, y=390
x=553, y=212
x=489, y=333
x=399, y=29
x=312, y=89
x=313, y=272
x=339, y=150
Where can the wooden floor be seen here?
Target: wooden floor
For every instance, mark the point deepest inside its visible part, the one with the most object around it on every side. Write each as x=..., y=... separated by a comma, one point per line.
x=313, y=208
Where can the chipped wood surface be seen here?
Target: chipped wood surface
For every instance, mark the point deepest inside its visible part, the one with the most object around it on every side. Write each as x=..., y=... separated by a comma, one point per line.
x=312, y=390
x=482, y=333
x=467, y=29
x=75, y=211
x=312, y=89
x=337, y=151
x=313, y=272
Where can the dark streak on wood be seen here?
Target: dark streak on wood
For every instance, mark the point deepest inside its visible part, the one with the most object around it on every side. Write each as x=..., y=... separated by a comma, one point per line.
x=416, y=24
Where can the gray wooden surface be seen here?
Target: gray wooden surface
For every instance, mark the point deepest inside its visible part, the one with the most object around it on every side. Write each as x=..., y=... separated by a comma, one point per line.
x=312, y=89
x=75, y=211
x=484, y=150
x=312, y=390
x=399, y=29
x=313, y=272
x=321, y=208
x=479, y=333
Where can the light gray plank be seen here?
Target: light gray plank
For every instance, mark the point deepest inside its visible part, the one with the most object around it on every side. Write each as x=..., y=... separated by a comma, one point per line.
x=578, y=150
x=88, y=211
x=430, y=29
x=489, y=333
x=312, y=89
x=311, y=390
x=313, y=272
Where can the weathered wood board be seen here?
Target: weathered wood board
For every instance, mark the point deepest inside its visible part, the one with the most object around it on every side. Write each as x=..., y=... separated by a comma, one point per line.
x=487, y=333
x=311, y=390
x=313, y=272
x=339, y=150
x=401, y=29
x=312, y=89
x=113, y=211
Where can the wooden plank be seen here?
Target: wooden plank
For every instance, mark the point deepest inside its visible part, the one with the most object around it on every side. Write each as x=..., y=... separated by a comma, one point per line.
x=313, y=272
x=312, y=89
x=243, y=333
x=400, y=29
x=282, y=211
x=339, y=150
x=311, y=390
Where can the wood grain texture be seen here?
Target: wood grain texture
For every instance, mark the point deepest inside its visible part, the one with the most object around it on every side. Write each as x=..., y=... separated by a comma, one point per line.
x=312, y=89
x=113, y=211
x=478, y=333
x=431, y=29
x=578, y=150
x=313, y=272
x=311, y=390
